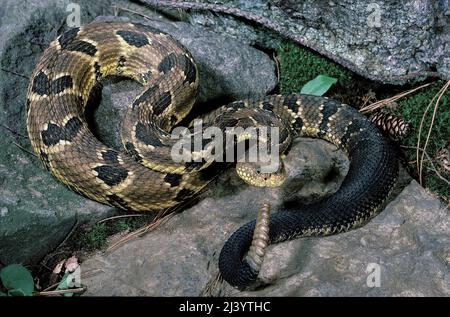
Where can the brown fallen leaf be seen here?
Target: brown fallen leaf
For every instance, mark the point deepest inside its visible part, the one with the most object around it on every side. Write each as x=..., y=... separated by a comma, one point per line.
x=72, y=264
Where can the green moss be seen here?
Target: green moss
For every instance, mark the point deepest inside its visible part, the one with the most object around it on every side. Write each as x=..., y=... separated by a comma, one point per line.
x=96, y=237
x=299, y=65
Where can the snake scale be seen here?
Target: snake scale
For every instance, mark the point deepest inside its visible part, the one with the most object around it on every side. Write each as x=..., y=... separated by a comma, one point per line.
x=143, y=177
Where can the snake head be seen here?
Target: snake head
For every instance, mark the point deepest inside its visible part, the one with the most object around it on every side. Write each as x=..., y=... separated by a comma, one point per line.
x=260, y=175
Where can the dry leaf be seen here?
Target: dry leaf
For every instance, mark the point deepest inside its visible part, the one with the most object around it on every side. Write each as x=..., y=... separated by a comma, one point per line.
x=58, y=267
x=72, y=264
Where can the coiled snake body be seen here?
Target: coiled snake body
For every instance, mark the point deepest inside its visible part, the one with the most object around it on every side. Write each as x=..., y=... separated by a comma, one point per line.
x=143, y=177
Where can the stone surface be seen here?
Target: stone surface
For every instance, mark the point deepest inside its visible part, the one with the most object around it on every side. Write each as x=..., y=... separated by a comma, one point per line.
x=383, y=40
x=37, y=212
x=408, y=243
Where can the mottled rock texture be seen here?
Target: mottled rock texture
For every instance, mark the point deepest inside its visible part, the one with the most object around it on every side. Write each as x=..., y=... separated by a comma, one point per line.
x=388, y=41
x=407, y=244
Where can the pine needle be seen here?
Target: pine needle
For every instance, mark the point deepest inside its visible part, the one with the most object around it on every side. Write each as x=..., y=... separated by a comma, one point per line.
x=382, y=103
x=437, y=97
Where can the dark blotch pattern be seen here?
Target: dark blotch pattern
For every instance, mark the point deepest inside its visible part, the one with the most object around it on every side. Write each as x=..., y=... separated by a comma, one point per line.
x=236, y=105
x=146, y=76
x=173, y=179
x=330, y=108
x=162, y=103
x=60, y=84
x=356, y=126
x=54, y=133
x=262, y=119
x=290, y=101
x=72, y=127
x=45, y=160
x=81, y=46
x=68, y=36
x=121, y=63
x=42, y=86
x=145, y=134
x=227, y=122
x=208, y=173
x=167, y=63
x=133, y=38
x=117, y=201
x=193, y=166
x=183, y=194
x=173, y=119
x=111, y=157
x=298, y=124
x=189, y=70
x=97, y=70
x=111, y=175
x=267, y=106
x=145, y=96
x=132, y=151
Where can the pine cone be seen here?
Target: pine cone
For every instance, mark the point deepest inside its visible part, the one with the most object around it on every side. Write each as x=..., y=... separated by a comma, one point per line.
x=394, y=126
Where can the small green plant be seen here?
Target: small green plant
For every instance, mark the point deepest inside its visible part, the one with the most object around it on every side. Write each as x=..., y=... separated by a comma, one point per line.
x=17, y=281
x=96, y=237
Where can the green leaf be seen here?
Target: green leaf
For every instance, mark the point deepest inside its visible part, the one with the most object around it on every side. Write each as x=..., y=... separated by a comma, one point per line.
x=64, y=284
x=3, y=294
x=17, y=280
x=318, y=86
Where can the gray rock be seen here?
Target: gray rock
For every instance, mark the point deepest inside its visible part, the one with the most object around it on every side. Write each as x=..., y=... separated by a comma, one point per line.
x=383, y=40
x=36, y=211
x=408, y=243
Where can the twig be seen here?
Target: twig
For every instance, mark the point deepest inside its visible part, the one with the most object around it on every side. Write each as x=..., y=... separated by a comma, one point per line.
x=120, y=216
x=72, y=230
x=211, y=286
x=140, y=232
x=13, y=131
x=24, y=149
x=420, y=133
x=162, y=217
x=129, y=10
x=440, y=94
x=430, y=160
x=51, y=286
x=435, y=169
x=61, y=291
x=14, y=73
x=277, y=66
x=381, y=103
